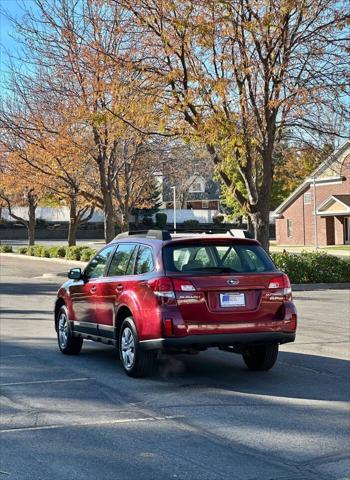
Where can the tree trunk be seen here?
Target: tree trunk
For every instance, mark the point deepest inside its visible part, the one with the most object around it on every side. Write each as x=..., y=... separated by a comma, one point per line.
x=250, y=226
x=109, y=230
x=31, y=234
x=261, y=223
x=107, y=195
x=125, y=223
x=73, y=222
x=32, y=204
x=125, y=216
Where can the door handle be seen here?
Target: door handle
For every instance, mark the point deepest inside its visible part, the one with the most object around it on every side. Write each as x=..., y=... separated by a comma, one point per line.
x=119, y=287
x=93, y=289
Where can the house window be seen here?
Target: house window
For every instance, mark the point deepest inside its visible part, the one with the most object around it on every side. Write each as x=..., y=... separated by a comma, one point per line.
x=289, y=228
x=205, y=204
x=197, y=185
x=307, y=198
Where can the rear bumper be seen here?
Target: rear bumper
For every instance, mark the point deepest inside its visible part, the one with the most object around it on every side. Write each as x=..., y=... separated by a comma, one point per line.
x=218, y=340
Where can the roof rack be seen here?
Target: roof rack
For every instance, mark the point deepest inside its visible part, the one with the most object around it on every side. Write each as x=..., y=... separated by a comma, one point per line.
x=156, y=234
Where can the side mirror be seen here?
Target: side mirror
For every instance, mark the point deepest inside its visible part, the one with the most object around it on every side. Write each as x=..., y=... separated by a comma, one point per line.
x=75, y=274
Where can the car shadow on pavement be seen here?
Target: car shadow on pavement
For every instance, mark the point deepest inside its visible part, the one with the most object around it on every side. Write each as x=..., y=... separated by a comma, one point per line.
x=295, y=375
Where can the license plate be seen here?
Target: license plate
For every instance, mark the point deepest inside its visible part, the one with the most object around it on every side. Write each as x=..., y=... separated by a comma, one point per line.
x=232, y=300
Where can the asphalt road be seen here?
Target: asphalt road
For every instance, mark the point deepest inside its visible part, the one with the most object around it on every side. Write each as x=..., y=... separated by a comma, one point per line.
x=203, y=417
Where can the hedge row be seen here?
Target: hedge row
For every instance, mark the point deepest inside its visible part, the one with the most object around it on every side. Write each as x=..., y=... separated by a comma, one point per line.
x=306, y=267
x=315, y=267
x=6, y=249
x=69, y=253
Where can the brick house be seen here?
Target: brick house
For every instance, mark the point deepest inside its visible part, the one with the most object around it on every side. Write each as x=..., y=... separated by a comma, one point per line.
x=328, y=187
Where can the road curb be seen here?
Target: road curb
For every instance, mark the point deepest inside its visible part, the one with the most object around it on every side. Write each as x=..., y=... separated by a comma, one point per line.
x=63, y=261
x=299, y=287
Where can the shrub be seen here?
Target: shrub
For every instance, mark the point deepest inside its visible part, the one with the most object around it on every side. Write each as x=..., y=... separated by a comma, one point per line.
x=87, y=254
x=45, y=252
x=73, y=253
x=22, y=250
x=218, y=219
x=191, y=223
x=35, y=250
x=161, y=219
x=148, y=221
x=57, y=252
x=6, y=249
x=318, y=267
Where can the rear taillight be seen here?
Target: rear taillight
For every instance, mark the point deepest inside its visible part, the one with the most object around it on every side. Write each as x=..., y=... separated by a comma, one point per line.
x=281, y=283
x=162, y=287
x=165, y=287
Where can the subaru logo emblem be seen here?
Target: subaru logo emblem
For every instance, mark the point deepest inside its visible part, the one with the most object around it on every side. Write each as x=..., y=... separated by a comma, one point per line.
x=233, y=281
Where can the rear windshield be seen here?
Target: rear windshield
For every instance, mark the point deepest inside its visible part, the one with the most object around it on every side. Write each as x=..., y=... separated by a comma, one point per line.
x=213, y=258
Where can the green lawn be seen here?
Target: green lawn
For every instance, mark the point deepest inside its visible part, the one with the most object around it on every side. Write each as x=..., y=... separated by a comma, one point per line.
x=341, y=250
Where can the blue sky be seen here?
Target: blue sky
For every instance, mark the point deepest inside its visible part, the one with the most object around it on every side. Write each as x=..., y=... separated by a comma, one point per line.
x=14, y=9
x=8, y=45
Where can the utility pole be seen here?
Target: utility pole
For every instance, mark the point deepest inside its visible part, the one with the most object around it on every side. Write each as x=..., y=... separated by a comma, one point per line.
x=174, y=201
x=315, y=213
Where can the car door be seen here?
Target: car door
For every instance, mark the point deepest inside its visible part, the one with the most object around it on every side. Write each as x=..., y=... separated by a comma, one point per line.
x=119, y=270
x=83, y=292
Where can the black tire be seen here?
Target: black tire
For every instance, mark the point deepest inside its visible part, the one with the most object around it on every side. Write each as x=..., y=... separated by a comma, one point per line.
x=68, y=344
x=261, y=358
x=135, y=361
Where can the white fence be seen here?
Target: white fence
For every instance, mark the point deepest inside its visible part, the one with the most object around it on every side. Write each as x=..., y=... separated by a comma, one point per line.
x=203, y=216
x=62, y=214
x=48, y=214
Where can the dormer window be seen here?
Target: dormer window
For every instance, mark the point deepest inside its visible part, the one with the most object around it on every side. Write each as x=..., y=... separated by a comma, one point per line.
x=197, y=185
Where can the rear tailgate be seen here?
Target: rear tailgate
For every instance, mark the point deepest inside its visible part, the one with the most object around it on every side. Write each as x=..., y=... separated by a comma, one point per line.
x=216, y=300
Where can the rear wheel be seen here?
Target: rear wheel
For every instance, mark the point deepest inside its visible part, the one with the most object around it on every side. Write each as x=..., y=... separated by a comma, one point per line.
x=136, y=362
x=68, y=344
x=260, y=358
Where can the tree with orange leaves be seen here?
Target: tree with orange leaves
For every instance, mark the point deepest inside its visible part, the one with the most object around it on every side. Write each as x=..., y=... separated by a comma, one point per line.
x=19, y=188
x=84, y=79
x=241, y=77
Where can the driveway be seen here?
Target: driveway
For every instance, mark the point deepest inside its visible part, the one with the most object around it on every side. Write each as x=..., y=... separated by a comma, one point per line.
x=202, y=417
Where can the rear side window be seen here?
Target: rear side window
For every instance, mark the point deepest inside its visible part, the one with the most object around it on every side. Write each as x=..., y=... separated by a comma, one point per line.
x=214, y=259
x=121, y=259
x=144, y=261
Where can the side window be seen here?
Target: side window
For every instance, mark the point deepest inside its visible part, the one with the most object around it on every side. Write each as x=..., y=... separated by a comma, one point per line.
x=144, y=261
x=120, y=260
x=97, y=265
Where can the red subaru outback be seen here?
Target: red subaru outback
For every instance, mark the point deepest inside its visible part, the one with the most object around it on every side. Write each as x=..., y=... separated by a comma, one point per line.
x=147, y=293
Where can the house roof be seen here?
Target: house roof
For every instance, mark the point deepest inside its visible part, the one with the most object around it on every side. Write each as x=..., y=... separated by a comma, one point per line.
x=314, y=175
x=335, y=205
x=345, y=199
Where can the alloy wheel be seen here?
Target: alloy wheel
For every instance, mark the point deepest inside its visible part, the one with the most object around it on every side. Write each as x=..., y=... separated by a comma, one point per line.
x=62, y=330
x=128, y=348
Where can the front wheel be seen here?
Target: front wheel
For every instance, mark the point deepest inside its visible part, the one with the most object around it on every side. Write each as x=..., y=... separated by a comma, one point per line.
x=261, y=358
x=68, y=344
x=136, y=362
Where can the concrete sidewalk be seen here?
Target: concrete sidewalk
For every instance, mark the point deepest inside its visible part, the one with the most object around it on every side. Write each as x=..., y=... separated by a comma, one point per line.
x=339, y=252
